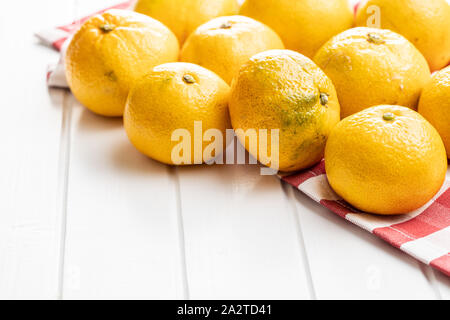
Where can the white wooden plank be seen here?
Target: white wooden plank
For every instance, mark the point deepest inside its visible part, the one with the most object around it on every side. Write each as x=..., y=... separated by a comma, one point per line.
x=240, y=235
x=349, y=263
x=122, y=232
x=30, y=136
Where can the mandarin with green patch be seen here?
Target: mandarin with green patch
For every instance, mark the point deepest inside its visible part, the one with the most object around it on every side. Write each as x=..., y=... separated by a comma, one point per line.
x=282, y=89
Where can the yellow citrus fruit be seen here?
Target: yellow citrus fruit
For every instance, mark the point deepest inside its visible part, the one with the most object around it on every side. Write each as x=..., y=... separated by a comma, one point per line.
x=385, y=160
x=110, y=52
x=426, y=23
x=434, y=104
x=225, y=43
x=304, y=26
x=371, y=66
x=172, y=97
x=184, y=16
x=284, y=90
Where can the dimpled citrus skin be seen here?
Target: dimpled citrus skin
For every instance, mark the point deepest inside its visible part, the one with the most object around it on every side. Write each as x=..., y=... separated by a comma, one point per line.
x=184, y=16
x=371, y=66
x=101, y=65
x=426, y=23
x=225, y=43
x=434, y=104
x=162, y=102
x=385, y=166
x=281, y=89
x=305, y=25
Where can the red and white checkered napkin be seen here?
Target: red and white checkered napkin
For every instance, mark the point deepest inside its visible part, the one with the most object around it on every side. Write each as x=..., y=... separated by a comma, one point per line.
x=424, y=233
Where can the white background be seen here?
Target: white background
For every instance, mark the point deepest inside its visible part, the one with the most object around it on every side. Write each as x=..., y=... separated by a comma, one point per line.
x=84, y=215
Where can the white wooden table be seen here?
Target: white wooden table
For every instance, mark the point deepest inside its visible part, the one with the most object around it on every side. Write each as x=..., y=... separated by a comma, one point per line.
x=84, y=215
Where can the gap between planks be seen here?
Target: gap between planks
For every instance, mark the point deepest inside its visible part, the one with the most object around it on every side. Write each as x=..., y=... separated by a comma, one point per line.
x=289, y=194
x=174, y=174
x=430, y=274
x=63, y=172
x=63, y=177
